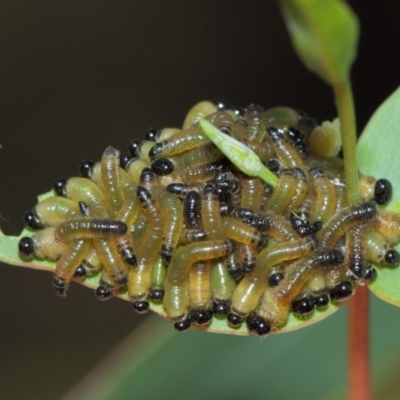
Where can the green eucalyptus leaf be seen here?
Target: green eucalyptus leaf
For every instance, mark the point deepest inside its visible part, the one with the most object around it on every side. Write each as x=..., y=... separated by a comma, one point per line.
x=324, y=34
x=9, y=255
x=377, y=155
x=244, y=158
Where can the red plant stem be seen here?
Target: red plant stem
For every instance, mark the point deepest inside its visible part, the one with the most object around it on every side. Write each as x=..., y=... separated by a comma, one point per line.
x=358, y=362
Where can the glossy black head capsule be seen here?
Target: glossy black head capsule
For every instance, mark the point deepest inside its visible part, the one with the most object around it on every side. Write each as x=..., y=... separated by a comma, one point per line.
x=125, y=159
x=356, y=269
x=234, y=320
x=26, y=248
x=341, y=291
x=220, y=309
x=314, y=227
x=383, y=191
x=321, y=300
x=128, y=255
x=157, y=295
x=275, y=279
x=300, y=225
x=221, y=104
x=86, y=168
x=162, y=166
x=155, y=150
x=59, y=287
x=59, y=186
x=141, y=307
x=133, y=146
x=151, y=134
x=183, y=325
x=299, y=141
x=80, y=272
x=201, y=317
x=370, y=274
x=303, y=306
x=392, y=258
x=238, y=111
x=274, y=166
x=32, y=221
x=102, y=293
x=257, y=325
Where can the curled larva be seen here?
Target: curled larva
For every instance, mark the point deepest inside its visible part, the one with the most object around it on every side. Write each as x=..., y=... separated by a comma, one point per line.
x=172, y=221
x=68, y=263
x=51, y=211
x=284, y=192
x=325, y=200
x=286, y=153
x=176, y=300
x=275, y=304
x=249, y=291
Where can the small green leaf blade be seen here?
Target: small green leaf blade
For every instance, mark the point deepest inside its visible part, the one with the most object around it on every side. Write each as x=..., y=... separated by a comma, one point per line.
x=324, y=35
x=377, y=155
x=243, y=157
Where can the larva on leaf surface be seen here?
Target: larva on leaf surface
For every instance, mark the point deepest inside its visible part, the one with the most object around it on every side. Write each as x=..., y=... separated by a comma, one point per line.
x=203, y=233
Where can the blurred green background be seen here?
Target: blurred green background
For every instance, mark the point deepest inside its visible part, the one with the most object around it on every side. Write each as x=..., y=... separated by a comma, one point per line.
x=77, y=76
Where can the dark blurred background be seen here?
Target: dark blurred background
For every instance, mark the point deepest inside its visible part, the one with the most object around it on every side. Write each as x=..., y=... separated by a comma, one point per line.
x=77, y=76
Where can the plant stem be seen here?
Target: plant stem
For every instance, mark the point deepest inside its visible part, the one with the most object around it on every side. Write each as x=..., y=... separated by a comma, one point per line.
x=358, y=362
x=358, y=374
x=345, y=107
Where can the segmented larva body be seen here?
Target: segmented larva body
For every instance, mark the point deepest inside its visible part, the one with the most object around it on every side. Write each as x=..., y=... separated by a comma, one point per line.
x=174, y=222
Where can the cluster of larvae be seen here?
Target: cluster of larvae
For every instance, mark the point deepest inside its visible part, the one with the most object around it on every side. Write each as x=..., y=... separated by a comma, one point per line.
x=175, y=222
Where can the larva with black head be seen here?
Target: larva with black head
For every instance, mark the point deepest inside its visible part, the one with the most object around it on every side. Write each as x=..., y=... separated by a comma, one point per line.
x=159, y=273
x=346, y=219
x=51, y=211
x=200, y=293
x=286, y=153
x=172, y=225
x=139, y=282
x=67, y=264
x=380, y=252
x=275, y=304
x=283, y=192
x=78, y=189
x=246, y=296
x=176, y=301
x=325, y=200
x=187, y=139
x=209, y=203
x=222, y=286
